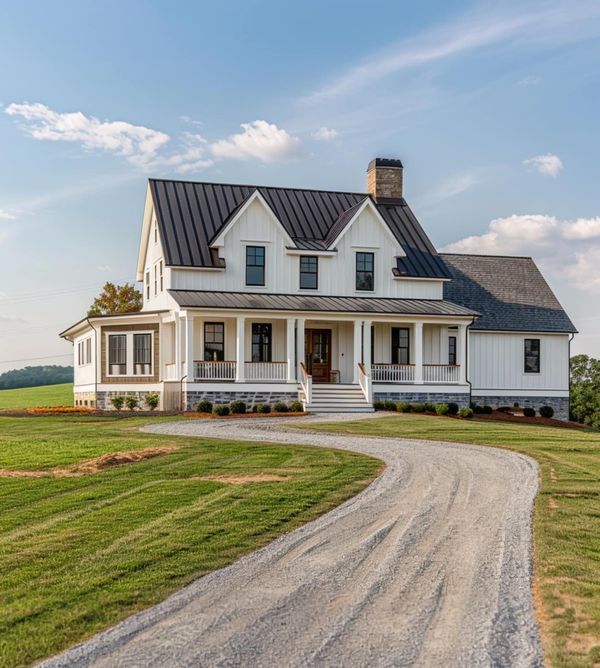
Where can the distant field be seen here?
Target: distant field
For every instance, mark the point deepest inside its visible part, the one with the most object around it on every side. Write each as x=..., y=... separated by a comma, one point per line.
x=45, y=395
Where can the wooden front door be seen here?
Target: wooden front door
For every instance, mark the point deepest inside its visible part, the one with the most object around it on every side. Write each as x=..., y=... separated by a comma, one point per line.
x=318, y=354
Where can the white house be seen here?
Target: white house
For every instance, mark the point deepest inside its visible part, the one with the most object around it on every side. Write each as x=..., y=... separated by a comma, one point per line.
x=336, y=298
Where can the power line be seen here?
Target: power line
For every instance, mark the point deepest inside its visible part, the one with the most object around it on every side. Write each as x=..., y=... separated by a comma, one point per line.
x=32, y=359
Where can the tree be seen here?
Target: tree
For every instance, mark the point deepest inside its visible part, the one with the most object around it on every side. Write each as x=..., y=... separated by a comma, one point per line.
x=116, y=299
x=585, y=390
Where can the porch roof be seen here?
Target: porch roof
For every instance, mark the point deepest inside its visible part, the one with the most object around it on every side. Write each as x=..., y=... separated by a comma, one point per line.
x=280, y=302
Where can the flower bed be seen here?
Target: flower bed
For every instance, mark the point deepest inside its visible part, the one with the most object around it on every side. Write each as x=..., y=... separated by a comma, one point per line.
x=241, y=416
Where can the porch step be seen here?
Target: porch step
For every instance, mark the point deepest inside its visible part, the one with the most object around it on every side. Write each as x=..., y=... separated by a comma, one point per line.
x=333, y=398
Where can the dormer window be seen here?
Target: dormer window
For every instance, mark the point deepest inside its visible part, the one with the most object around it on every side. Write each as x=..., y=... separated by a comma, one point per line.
x=309, y=272
x=255, y=265
x=365, y=271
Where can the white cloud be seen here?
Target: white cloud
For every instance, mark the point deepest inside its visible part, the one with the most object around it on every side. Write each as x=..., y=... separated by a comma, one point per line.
x=325, y=134
x=11, y=319
x=455, y=185
x=567, y=249
x=547, y=165
x=259, y=139
x=529, y=81
x=104, y=268
x=8, y=214
x=191, y=157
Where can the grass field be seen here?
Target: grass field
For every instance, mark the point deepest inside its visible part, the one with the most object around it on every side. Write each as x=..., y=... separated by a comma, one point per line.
x=79, y=553
x=566, y=525
x=45, y=395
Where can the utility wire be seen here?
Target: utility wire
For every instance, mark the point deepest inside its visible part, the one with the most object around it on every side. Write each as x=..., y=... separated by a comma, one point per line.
x=32, y=359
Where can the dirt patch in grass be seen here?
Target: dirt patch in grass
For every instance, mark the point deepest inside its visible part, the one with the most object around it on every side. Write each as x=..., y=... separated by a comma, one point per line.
x=244, y=479
x=92, y=466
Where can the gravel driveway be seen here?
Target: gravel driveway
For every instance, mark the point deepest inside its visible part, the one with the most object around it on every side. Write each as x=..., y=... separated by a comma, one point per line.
x=429, y=566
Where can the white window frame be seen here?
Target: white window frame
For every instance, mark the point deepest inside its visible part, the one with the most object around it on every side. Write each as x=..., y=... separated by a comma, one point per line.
x=266, y=246
x=129, y=352
x=84, y=351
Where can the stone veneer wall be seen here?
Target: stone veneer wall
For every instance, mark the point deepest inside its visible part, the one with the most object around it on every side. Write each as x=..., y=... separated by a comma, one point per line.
x=103, y=398
x=462, y=398
x=250, y=398
x=559, y=404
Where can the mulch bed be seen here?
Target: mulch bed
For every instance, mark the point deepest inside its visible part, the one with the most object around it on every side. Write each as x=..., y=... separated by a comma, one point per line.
x=510, y=417
x=233, y=416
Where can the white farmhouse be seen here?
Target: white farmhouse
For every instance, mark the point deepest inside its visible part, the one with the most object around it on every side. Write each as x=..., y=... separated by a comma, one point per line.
x=338, y=299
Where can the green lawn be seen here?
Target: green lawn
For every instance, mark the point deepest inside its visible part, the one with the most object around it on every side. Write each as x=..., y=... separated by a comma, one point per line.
x=78, y=554
x=45, y=395
x=566, y=524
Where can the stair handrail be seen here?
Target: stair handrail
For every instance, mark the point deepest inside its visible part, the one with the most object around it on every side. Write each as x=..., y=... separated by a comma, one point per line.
x=365, y=382
x=306, y=383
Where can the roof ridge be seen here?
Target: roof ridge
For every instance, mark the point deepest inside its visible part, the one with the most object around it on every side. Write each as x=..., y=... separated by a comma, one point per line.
x=512, y=257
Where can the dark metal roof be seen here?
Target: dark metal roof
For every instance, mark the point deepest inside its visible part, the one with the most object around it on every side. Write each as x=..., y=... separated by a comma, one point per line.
x=191, y=214
x=384, y=162
x=271, y=302
x=509, y=292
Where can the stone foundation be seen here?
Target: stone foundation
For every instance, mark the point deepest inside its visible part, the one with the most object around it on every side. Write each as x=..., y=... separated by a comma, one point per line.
x=462, y=398
x=103, y=399
x=250, y=398
x=84, y=399
x=559, y=404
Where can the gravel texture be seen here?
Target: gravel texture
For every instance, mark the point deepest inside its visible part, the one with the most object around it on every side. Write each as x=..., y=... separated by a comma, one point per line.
x=428, y=566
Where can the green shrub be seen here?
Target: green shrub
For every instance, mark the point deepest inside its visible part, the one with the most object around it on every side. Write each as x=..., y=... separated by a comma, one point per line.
x=452, y=408
x=204, y=406
x=237, y=406
x=280, y=407
x=403, y=407
x=466, y=412
x=221, y=410
x=263, y=408
x=441, y=409
x=546, y=411
x=152, y=400
x=477, y=409
x=389, y=405
x=378, y=405
x=132, y=403
x=528, y=411
x=488, y=410
x=429, y=407
x=505, y=409
x=296, y=407
x=117, y=402
x=418, y=408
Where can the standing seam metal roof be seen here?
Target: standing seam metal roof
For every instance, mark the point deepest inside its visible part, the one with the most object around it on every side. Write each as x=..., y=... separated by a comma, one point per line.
x=191, y=214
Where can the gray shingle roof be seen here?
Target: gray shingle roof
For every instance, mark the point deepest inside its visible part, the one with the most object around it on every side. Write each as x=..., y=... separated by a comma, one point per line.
x=509, y=292
x=191, y=214
x=270, y=302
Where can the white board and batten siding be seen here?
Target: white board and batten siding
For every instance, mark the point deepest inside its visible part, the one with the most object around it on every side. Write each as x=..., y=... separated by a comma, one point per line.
x=256, y=227
x=496, y=363
x=159, y=298
x=84, y=369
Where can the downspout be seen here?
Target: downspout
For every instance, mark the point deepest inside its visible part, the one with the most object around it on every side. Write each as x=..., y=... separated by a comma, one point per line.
x=467, y=361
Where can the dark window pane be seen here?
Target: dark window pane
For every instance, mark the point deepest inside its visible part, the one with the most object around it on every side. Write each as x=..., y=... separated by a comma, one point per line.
x=451, y=350
x=255, y=265
x=400, y=345
x=142, y=353
x=261, y=341
x=532, y=355
x=214, y=341
x=309, y=272
x=365, y=264
x=117, y=354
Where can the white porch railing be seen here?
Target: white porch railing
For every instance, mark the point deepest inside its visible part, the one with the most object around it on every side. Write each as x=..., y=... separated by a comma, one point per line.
x=265, y=370
x=170, y=371
x=305, y=383
x=393, y=373
x=365, y=383
x=441, y=373
x=214, y=370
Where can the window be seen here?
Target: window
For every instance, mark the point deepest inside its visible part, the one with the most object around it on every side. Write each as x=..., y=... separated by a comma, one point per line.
x=452, y=350
x=155, y=280
x=400, y=345
x=84, y=352
x=255, y=265
x=214, y=341
x=532, y=355
x=160, y=271
x=365, y=263
x=309, y=272
x=261, y=342
x=155, y=231
x=117, y=354
x=147, y=285
x=142, y=354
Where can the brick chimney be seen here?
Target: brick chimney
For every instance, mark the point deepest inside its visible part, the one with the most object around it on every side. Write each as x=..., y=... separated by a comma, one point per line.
x=384, y=178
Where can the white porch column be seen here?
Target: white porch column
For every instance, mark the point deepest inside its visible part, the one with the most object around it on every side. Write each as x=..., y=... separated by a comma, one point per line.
x=461, y=347
x=290, y=350
x=177, y=335
x=367, y=345
x=189, y=348
x=240, y=349
x=418, y=337
x=357, y=348
x=300, y=341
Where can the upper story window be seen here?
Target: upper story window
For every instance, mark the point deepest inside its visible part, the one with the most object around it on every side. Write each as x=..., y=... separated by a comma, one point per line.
x=255, y=265
x=147, y=284
x=365, y=271
x=160, y=271
x=261, y=341
x=532, y=355
x=142, y=354
x=117, y=354
x=309, y=272
x=214, y=341
x=155, y=280
x=155, y=231
x=400, y=345
x=452, y=350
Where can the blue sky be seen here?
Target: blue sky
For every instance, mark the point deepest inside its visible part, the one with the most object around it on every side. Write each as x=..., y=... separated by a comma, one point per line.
x=493, y=108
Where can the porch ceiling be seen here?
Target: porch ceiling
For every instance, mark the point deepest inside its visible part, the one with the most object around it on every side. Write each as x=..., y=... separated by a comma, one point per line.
x=279, y=302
